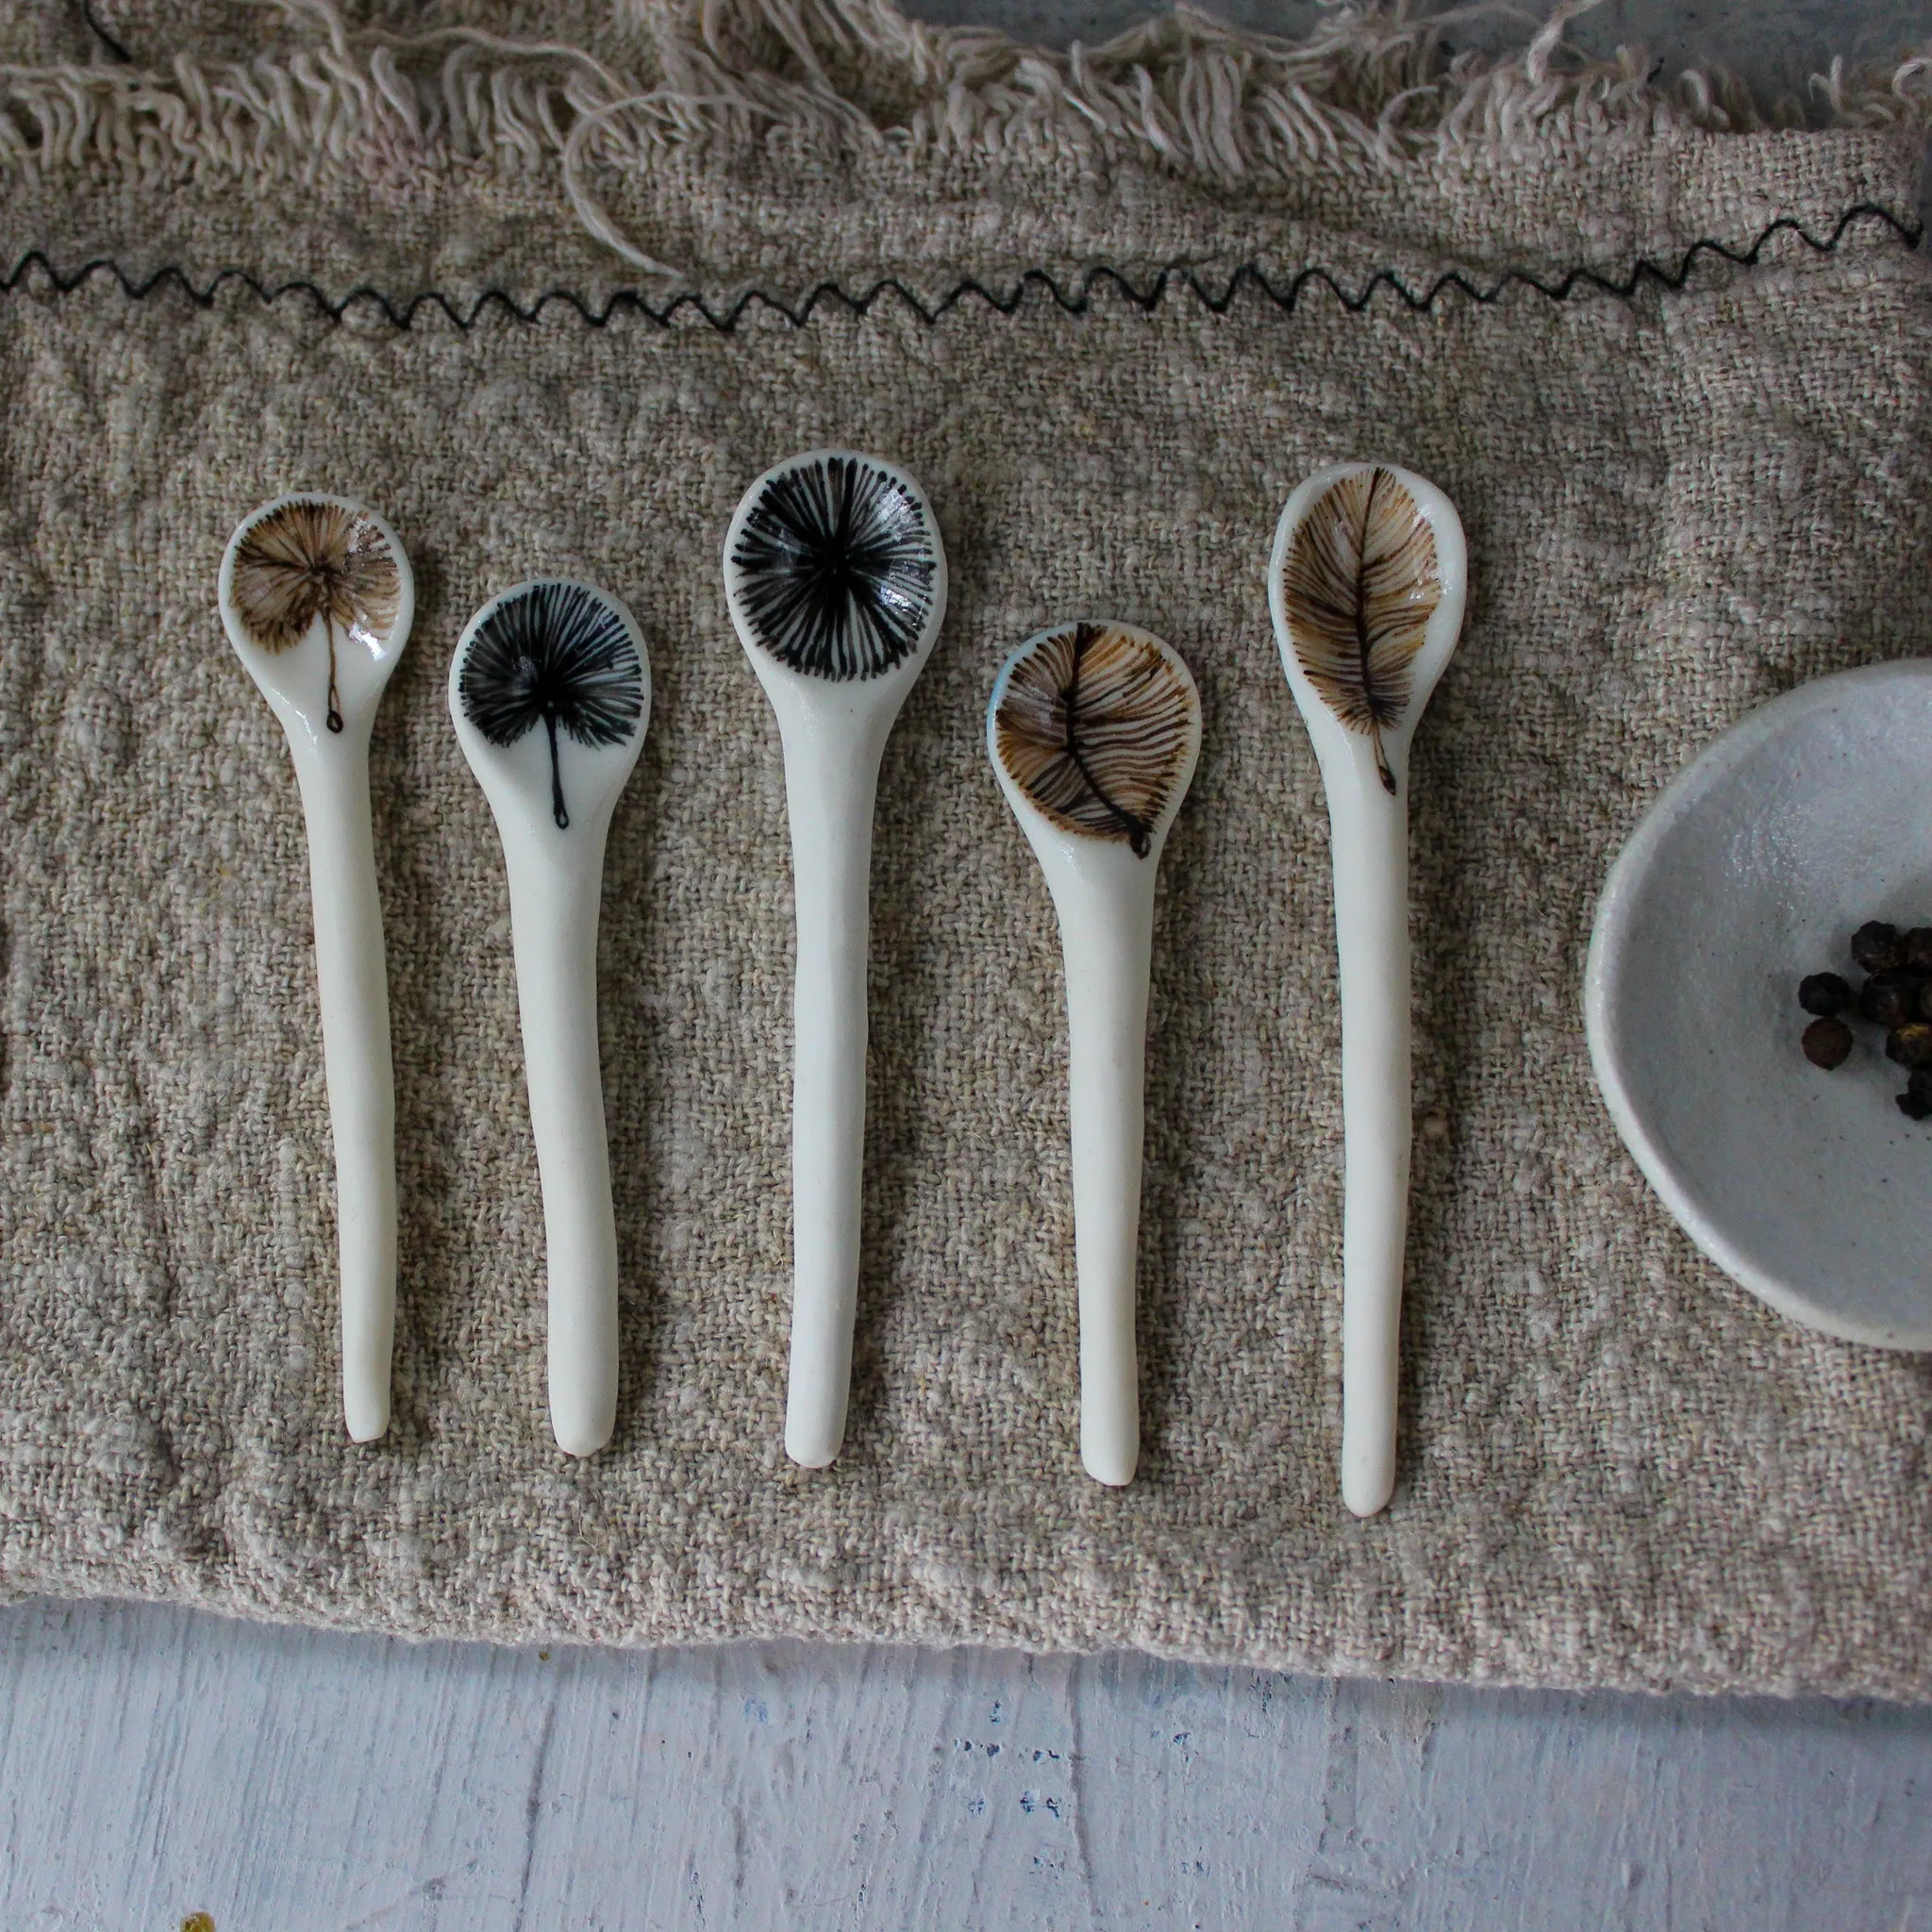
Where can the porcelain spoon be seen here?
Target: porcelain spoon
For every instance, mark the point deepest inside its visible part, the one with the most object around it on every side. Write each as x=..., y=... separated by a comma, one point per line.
x=1094, y=730
x=1366, y=584
x=316, y=596
x=550, y=690
x=837, y=586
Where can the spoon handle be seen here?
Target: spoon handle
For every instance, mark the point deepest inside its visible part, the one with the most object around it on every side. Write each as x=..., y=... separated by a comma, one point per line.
x=1107, y=938
x=831, y=787
x=353, y=981
x=1370, y=840
x=554, y=899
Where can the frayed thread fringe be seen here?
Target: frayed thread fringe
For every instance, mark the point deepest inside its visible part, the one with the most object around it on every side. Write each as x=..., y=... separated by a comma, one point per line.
x=1368, y=90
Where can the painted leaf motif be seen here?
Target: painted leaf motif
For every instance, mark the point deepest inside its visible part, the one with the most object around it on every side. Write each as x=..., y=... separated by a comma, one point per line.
x=1360, y=584
x=1097, y=727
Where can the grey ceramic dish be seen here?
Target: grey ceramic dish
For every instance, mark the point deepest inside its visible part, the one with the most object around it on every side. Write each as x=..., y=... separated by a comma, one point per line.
x=1754, y=868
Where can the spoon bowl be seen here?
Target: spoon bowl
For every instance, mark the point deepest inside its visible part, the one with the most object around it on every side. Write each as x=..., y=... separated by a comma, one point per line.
x=551, y=673
x=317, y=597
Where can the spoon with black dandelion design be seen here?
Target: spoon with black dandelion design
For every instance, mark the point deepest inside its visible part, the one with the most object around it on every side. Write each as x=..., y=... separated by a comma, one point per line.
x=316, y=596
x=550, y=690
x=1366, y=584
x=837, y=586
x=1094, y=730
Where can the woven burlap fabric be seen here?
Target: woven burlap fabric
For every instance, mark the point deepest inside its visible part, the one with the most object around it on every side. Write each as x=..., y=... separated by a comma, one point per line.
x=1617, y=1468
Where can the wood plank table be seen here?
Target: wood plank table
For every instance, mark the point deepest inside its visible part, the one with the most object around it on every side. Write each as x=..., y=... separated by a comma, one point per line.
x=158, y=1763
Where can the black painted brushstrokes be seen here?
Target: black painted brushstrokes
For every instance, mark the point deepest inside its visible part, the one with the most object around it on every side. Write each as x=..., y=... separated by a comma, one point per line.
x=835, y=568
x=560, y=655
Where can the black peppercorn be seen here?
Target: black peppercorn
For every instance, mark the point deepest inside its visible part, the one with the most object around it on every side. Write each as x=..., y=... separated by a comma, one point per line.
x=1823, y=993
x=1827, y=1043
x=1913, y=1107
x=1919, y=1085
x=1910, y=1045
x=1877, y=947
x=1916, y=945
x=1890, y=998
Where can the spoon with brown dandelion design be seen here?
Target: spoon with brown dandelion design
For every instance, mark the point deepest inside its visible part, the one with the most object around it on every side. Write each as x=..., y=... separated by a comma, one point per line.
x=1366, y=584
x=550, y=691
x=317, y=596
x=836, y=587
x=1094, y=730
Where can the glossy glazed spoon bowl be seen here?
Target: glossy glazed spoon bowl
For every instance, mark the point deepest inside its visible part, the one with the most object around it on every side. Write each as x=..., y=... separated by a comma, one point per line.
x=317, y=596
x=1094, y=730
x=837, y=585
x=1366, y=586
x=550, y=690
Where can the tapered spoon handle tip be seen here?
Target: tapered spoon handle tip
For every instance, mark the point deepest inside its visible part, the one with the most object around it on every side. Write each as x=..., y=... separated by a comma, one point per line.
x=1367, y=1485
x=581, y=1432
x=813, y=1444
x=814, y=1415
x=824, y=1301
x=583, y=1319
x=367, y=1414
x=1110, y=1451
x=366, y=1195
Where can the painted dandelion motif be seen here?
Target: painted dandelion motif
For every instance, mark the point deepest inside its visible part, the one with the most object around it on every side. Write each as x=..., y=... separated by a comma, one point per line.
x=1361, y=582
x=1097, y=727
x=558, y=653
x=834, y=569
x=308, y=559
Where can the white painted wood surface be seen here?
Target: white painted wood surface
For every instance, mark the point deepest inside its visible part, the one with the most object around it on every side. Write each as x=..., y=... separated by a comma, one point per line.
x=157, y=1763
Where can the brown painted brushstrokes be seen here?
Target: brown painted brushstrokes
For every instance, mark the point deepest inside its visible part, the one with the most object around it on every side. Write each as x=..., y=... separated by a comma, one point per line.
x=1095, y=727
x=1359, y=588
x=310, y=560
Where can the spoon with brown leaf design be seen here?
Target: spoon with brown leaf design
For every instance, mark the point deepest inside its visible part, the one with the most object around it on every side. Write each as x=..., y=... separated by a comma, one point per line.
x=1366, y=584
x=1094, y=730
x=316, y=596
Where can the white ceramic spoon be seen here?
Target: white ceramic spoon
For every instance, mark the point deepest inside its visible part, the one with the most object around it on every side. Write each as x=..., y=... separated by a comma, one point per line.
x=550, y=690
x=1366, y=584
x=1094, y=730
x=316, y=596
x=837, y=585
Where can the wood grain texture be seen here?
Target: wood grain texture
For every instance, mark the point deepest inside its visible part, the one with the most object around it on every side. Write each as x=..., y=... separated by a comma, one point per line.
x=156, y=1763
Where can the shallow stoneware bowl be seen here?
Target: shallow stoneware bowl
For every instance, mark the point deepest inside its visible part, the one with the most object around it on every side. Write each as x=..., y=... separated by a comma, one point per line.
x=1753, y=869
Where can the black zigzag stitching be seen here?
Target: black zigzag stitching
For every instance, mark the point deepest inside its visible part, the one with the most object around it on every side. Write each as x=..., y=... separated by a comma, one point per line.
x=1075, y=298
x=115, y=50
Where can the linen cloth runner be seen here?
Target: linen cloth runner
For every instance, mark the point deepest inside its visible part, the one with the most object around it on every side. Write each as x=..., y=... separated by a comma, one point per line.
x=570, y=278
